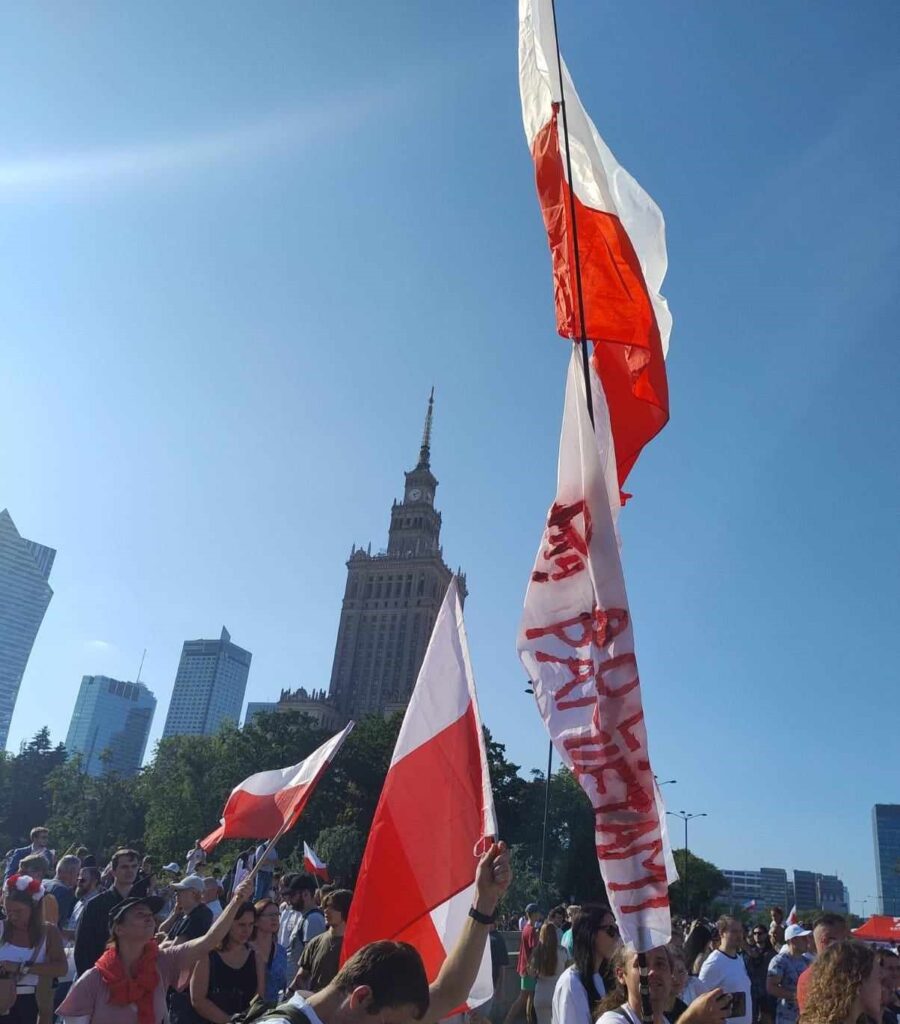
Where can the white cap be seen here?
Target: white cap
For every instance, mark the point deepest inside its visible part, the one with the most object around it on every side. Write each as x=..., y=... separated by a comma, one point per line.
x=795, y=931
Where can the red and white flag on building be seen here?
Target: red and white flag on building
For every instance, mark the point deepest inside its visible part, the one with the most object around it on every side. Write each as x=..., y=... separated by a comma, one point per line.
x=314, y=864
x=577, y=645
x=417, y=878
x=621, y=243
x=271, y=802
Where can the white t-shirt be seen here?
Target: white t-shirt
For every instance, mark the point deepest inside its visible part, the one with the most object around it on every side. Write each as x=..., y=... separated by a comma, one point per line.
x=620, y=1015
x=298, y=1000
x=728, y=973
x=570, y=1001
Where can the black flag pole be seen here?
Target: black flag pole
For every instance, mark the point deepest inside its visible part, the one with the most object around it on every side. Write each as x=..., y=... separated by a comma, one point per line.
x=646, y=1009
x=582, y=338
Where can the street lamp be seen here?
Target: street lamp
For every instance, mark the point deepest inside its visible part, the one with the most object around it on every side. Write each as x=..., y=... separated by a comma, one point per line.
x=668, y=782
x=530, y=689
x=686, y=818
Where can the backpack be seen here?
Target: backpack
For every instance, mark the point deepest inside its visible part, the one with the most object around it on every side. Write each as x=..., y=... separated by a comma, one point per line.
x=261, y=1010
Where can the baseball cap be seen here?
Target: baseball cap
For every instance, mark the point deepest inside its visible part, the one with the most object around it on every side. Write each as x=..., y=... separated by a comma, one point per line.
x=153, y=903
x=173, y=867
x=195, y=882
x=795, y=931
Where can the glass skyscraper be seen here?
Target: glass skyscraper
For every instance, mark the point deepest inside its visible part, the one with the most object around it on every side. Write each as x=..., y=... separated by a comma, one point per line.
x=209, y=687
x=110, y=725
x=886, y=832
x=24, y=595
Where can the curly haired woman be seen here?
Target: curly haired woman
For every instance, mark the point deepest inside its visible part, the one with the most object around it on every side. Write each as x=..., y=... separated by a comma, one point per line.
x=845, y=985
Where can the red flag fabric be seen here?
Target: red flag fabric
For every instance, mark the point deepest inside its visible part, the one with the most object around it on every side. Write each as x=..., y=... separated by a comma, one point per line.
x=417, y=878
x=314, y=864
x=577, y=646
x=621, y=243
x=269, y=802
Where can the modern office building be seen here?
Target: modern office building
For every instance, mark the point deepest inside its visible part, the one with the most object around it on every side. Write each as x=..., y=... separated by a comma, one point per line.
x=110, y=725
x=773, y=888
x=886, y=833
x=743, y=885
x=24, y=596
x=805, y=893
x=770, y=887
x=259, y=707
x=391, y=601
x=209, y=687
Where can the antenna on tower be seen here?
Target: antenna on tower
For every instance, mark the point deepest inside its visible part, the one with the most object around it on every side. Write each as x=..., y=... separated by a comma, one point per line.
x=141, y=666
x=425, y=450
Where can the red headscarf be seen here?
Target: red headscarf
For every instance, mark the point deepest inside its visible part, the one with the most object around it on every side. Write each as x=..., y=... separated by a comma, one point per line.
x=125, y=988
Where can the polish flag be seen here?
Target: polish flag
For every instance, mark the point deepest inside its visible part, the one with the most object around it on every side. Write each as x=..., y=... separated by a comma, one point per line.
x=621, y=243
x=313, y=864
x=270, y=803
x=577, y=645
x=436, y=811
x=793, y=917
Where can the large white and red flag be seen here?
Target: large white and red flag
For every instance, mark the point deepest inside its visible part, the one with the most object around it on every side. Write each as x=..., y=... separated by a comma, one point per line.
x=621, y=254
x=271, y=802
x=577, y=645
x=436, y=811
x=314, y=864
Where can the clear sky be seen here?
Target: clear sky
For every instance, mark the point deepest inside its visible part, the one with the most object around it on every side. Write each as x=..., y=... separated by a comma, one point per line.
x=242, y=241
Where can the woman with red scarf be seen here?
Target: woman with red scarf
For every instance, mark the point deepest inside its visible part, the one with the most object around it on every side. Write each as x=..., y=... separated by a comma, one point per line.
x=128, y=984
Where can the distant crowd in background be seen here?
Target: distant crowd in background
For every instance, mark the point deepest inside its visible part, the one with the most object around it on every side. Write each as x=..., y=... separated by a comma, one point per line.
x=574, y=969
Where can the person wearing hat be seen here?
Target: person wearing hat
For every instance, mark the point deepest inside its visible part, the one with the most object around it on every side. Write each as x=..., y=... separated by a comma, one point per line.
x=129, y=982
x=191, y=917
x=785, y=969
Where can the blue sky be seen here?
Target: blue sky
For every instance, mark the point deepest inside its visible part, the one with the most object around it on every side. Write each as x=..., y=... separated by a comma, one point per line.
x=241, y=243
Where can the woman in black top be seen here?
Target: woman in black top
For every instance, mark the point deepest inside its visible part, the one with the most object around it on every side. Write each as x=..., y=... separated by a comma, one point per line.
x=225, y=982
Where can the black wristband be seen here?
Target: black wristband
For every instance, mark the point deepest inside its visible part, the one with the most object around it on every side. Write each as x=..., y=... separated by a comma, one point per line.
x=477, y=915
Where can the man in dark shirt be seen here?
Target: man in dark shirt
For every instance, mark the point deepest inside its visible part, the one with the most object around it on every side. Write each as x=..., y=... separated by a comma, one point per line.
x=321, y=956
x=93, y=927
x=62, y=886
x=192, y=917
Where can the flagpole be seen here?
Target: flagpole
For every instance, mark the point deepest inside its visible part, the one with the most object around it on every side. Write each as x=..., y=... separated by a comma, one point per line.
x=585, y=365
x=646, y=1008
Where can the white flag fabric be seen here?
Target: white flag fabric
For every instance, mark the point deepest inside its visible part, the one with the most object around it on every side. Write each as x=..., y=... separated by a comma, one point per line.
x=577, y=645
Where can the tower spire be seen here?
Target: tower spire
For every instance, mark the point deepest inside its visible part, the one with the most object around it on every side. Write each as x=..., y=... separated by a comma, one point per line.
x=425, y=450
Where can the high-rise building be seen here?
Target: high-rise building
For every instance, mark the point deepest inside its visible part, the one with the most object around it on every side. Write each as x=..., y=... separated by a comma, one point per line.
x=886, y=832
x=770, y=888
x=831, y=894
x=742, y=886
x=110, y=725
x=391, y=601
x=209, y=687
x=24, y=595
x=314, y=704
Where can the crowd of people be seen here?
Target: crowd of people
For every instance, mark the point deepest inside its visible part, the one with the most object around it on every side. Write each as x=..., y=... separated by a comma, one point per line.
x=127, y=944
x=574, y=969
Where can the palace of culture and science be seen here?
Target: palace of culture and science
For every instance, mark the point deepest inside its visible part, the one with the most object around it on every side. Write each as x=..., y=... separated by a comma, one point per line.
x=391, y=601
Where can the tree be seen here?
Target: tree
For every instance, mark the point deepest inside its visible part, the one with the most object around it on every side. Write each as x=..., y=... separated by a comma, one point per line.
x=24, y=801
x=704, y=882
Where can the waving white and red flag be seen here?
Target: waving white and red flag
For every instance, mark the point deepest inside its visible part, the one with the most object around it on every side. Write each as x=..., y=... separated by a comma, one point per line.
x=314, y=864
x=417, y=879
x=270, y=803
x=621, y=243
x=577, y=645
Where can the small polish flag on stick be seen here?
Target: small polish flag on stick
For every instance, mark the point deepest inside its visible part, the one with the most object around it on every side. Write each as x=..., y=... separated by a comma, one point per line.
x=793, y=917
x=268, y=804
x=313, y=864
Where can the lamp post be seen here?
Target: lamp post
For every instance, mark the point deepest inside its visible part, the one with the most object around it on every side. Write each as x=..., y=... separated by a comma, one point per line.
x=685, y=817
x=668, y=782
x=530, y=689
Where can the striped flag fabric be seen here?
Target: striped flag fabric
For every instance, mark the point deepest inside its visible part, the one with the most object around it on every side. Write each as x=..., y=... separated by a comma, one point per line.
x=313, y=864
x=269, y=803
x=620, y=258
x=435, y=816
